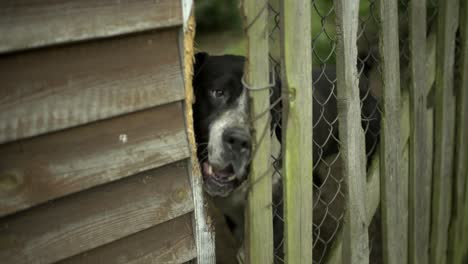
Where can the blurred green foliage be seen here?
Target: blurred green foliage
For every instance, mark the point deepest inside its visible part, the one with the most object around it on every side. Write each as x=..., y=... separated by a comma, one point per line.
x=215, y=16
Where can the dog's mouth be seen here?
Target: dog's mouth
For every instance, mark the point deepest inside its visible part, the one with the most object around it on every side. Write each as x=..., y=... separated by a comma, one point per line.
x=219, y=182
x=219, y=176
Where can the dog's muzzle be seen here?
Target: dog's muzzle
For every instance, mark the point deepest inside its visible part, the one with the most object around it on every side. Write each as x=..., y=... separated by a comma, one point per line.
x=226, y=169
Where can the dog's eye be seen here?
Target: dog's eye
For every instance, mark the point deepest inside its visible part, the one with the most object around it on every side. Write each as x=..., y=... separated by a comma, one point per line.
x=218, y=93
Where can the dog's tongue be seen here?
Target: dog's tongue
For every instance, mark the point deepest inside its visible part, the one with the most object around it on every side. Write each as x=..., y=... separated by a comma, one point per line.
x=208, y=170
x=224, y=173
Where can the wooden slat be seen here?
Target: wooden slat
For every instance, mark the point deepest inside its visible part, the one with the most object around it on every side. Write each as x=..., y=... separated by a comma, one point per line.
x=89, y=219
x=373, y=176
x=169, y=242
x=456, y=249
x=297, y=161
x=203, y=225
x=373, y=181
x=419, y=178
x=57, y=88
x=444, y=131
x=259, y=216
x=464, y=225
x=394, y=185
x=42, y=168
x=32, y=23
x=355, y=238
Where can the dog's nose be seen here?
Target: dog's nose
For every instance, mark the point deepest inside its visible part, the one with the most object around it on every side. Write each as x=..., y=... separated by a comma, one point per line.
x=236, y=139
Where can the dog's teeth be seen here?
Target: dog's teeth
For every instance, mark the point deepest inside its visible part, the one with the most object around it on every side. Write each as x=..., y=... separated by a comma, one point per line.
x=210, y=170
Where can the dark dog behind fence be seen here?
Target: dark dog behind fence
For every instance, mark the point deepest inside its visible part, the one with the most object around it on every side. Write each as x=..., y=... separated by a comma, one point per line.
x=329, y=185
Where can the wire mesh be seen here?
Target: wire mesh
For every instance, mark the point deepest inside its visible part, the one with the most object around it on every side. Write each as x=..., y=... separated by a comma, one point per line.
x=329, y=186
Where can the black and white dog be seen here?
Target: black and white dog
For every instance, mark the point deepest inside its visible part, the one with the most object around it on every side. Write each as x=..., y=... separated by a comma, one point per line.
x=223, y=134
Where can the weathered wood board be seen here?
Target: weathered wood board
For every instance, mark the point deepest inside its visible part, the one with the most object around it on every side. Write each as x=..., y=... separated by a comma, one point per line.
x=169, y=242
x=298, y=130
x=202, y=221
x=32, y=23
x=86, y=220
x=36, y=170
x=444, y=130
x=394, y=183
x=259, y=215
x=456, y=247
x=352, y=149
x=420, y=179
x=52, y=89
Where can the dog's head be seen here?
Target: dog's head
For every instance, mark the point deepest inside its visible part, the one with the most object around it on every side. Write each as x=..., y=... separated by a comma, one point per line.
x=221, y=119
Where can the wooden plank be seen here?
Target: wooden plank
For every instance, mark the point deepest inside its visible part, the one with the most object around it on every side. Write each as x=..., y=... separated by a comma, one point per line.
x=394, y=185
x=373, y=198
x=374, y=171
x=464, y=225
x=31, y=23
x=456, y=249
x=259, y=216
x=297, y=162
x=43, y=168
x=373, y=181
x=169, y=242
x=57, y=88
x=419, y=178
x=444, y=132
x=86, y=220
x=355, y=236
x=203, y=223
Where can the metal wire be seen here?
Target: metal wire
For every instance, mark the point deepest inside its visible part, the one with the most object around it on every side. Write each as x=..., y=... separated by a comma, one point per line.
x=329, y=185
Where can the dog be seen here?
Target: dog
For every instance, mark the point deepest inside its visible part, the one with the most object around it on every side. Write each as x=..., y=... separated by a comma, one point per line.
x=224, y=138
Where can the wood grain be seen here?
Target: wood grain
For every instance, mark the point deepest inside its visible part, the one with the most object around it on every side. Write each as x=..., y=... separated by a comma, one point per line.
x=373, y=180
x=36, y=170
x=419, y=178
x=203, y=223
x=52, y=89
x=297, y=115
x=444, y=131
x=373, y=175
x=456, y=247
x=98, y=216
x=259, y=216
x=169, y=242
x=355, y=235
x=394, y=184
x=32, y=23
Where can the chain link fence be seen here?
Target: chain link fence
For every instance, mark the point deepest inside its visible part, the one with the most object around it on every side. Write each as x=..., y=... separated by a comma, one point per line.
x=329, y=186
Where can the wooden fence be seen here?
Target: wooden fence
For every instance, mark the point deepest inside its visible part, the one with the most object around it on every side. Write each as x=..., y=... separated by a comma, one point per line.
x=417, y=182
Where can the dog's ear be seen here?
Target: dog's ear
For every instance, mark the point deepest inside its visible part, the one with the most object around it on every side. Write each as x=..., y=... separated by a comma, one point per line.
x=200, y=59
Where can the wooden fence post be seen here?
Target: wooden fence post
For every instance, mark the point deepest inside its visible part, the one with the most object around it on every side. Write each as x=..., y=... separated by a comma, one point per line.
x=259, y=217
x=204, y=231
x=444, y=130
x=394, y=184
x=456, y=246
x=373, y=175
x=420, y=179
x=297, y=117
x=355, y=237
